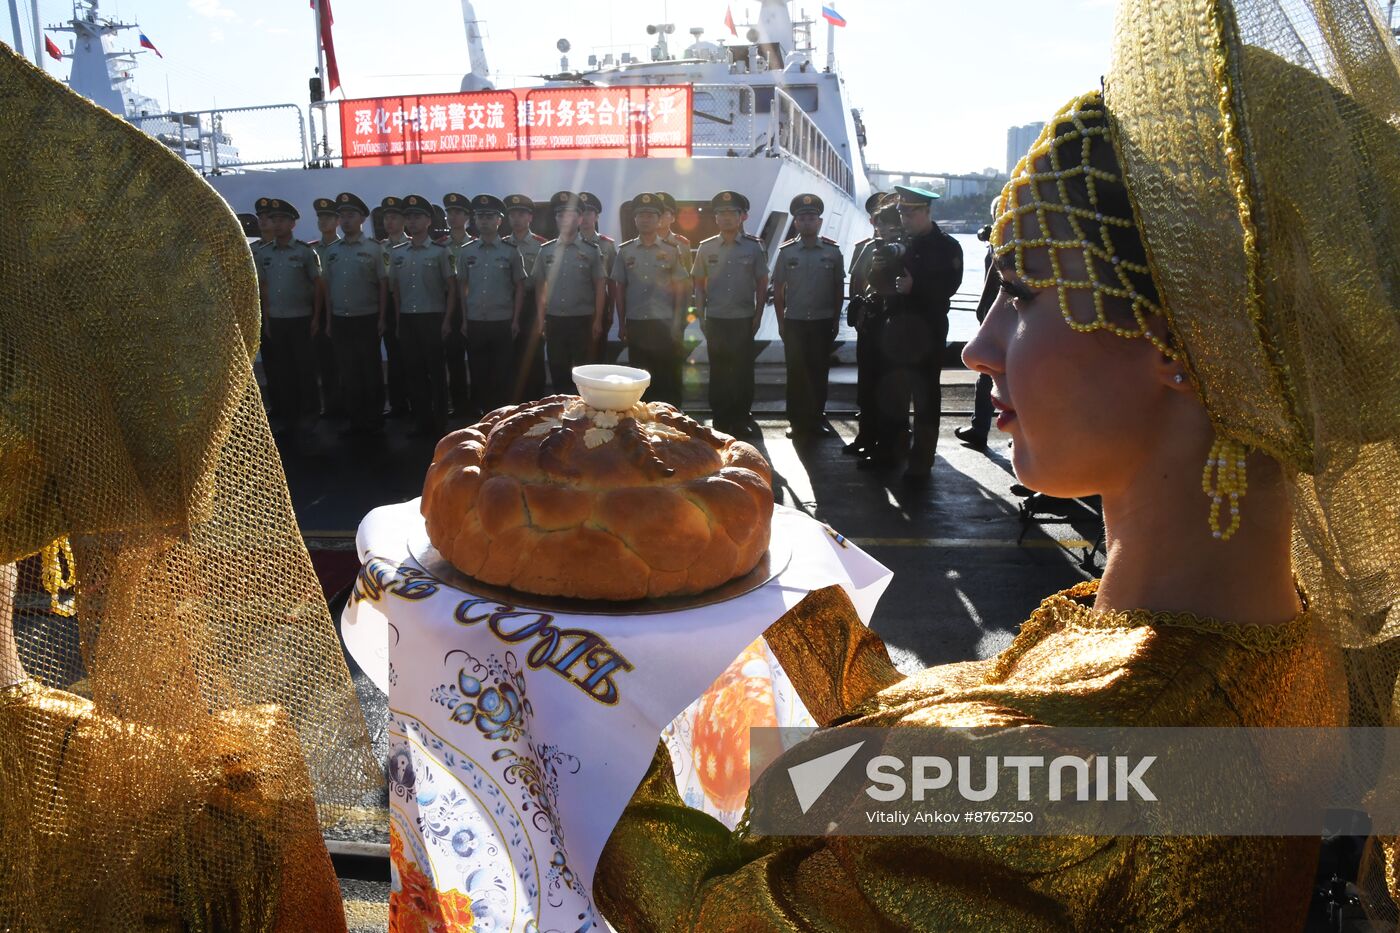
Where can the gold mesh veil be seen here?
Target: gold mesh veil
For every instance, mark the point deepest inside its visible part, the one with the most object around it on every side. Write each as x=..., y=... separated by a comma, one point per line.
x=170, y=752
x=1260, y=141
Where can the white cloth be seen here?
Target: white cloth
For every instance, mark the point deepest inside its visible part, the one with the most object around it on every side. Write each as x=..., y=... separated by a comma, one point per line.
x=517, y=737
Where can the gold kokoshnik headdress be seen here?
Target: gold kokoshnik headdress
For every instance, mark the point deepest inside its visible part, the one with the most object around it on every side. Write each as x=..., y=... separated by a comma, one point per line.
x=1260, y=147
x=175, y=736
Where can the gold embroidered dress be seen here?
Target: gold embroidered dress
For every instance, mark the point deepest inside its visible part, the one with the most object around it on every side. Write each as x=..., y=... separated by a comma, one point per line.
x=668, y=867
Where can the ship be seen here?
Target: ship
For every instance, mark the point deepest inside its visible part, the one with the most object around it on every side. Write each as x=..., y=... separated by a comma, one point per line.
x=759, y=115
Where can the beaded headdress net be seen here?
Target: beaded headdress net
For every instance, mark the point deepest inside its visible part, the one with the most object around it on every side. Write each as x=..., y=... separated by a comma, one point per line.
x=177, y=723
x=1259, y=142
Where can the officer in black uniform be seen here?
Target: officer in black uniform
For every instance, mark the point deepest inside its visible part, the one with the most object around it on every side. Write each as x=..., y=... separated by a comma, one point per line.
x=864, y=320
x=528, y=382
x=915, y=336
x=975, y=434
x=809, y=287
x=457, y=213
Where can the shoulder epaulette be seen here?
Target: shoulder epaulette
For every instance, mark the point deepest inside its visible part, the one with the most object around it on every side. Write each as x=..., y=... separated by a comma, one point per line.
x=710, y=239
x=750, y=236
x=399, y=245
x=302, y=242
x=538, y=238
x=787, y=243
x=828, y=241
x=627, y=243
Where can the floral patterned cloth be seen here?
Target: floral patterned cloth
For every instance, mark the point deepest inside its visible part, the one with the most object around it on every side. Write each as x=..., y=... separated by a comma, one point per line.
x=516, y=736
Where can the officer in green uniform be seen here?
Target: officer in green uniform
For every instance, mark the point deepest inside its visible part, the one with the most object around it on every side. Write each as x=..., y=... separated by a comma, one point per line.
x=391, y=213
x=529, y=342
x=591, y=208
x=491, y=283
x=457, y=212
x=571, y=291
x=332, y=405
x=666, y=228
x=420, y=274
x=357, y=290
x=289, y=279
x=651, y=286
x=731, y=287
x=809, y=288
x=863, y=319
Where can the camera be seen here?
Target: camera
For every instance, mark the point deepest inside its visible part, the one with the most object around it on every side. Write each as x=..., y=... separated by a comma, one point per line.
x=886, y=265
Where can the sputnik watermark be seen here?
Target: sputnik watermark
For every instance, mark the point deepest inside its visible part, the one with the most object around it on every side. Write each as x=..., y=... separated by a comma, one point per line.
x=1051, y=781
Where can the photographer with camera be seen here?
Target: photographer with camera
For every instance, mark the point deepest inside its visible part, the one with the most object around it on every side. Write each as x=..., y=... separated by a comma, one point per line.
x=927, y=271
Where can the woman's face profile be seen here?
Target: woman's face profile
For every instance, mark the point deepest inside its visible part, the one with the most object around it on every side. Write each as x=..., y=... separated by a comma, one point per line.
x=1085, y=410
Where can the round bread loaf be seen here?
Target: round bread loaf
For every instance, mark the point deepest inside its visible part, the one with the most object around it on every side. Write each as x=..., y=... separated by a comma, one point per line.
x=557, y=498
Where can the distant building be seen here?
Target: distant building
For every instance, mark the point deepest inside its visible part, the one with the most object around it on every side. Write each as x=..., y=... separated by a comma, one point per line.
x=1018, y=143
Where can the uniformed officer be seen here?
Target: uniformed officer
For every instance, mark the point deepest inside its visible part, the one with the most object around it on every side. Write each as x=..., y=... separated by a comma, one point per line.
x=571, y=289
x=289, y=279
x=457, y=211
x=426, y=290
x=491, y=283
x=357, y=291
x=666, y=228
x=328, y=223
x=590, y=208
x=529, y=342
x=731, y=287
x=391, y=213
x=865, y=322
x=809, y=288
x=651, y=290
x=915, y=336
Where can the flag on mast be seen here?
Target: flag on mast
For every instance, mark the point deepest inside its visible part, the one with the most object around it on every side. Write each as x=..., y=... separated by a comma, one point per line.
x=328, y=43
x=729, y=20
x=148, y=44
x=52, y=48
x=831, y=16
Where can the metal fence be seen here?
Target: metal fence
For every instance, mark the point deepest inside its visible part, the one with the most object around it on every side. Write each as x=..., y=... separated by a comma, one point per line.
x=796, y=134
x=722, y=120
x=216, y=142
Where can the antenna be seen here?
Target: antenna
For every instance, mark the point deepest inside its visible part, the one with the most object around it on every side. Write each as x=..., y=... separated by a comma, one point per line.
x=661, y=52
x=563, y=46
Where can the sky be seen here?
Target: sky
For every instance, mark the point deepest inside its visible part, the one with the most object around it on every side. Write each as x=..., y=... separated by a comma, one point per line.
x=939, y=81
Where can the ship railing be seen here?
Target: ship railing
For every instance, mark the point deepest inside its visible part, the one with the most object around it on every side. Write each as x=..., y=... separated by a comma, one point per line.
x=795, y=133
x=217, y=142
x=722, y=120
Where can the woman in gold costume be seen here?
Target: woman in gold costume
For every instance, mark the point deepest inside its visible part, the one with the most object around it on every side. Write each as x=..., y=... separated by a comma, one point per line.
x=1182, y=286
x=177, y=724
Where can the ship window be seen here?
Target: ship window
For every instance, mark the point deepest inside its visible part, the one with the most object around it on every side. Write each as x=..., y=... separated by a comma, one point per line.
x=772, y=230
x=804, y=94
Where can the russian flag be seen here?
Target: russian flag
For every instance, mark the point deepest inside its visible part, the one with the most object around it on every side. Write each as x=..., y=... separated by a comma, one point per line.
x=831, y=16
x=148, y=44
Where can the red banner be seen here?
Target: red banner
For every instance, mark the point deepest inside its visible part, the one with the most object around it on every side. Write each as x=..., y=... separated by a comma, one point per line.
x=429, y=128
x=617, y=122
x=560, y=123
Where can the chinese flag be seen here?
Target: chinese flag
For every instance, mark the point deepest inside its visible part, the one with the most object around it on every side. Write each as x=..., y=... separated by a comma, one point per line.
x=52, y=49
x=729, y=21
x=327, y=43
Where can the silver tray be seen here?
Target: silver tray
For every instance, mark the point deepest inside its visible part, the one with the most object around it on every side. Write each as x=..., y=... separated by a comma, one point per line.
x=774, y=562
